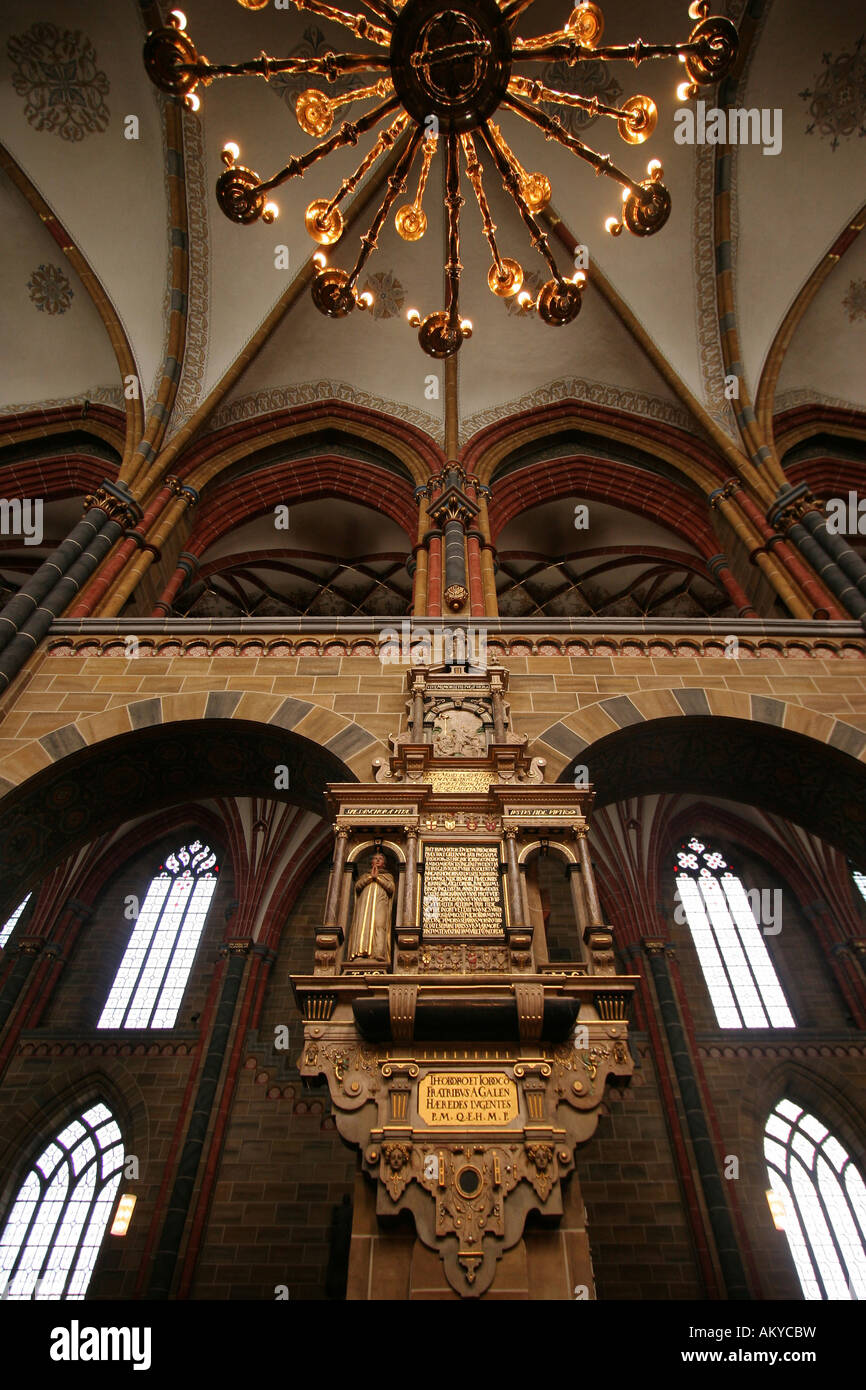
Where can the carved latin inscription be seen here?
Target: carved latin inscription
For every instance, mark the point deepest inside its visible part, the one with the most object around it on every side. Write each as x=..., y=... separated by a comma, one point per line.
x=467, y=1098
x=462, y=893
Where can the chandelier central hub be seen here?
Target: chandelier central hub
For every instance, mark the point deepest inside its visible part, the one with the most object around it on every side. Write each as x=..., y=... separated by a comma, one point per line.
x=452, y=62
x=438, y=73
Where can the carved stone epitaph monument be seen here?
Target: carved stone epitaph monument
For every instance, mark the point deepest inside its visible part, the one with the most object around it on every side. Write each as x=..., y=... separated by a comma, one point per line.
x=462, y=1062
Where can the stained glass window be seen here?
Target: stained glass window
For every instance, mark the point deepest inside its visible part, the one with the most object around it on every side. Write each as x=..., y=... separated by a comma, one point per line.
x=824, y=1201
x=52, y=1237
x=739, y=973
x=8, y=927
x=149, y=984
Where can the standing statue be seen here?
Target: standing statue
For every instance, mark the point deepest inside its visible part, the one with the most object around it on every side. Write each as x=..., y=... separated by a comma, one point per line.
x=370, y=935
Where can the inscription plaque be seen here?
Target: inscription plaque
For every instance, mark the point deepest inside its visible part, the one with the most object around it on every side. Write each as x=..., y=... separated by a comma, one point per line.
x=467, y=1098
x=462, y=891
x=460, y=779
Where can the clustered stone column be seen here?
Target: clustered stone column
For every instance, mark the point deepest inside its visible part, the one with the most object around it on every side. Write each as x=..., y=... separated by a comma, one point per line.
x=28, y=615
x=718, y=1211
x=840, y=567
x=457, y=512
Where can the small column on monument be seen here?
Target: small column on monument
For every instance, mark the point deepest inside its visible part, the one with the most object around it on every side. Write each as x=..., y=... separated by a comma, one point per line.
x=597, y=936
x=498, y=711
x=408, y=930
x=335, y=883
x=593, y=905
x=515, y=893
x=330, y=933
x=411, y=885
x=418, y=711
x=578, y=902
x=344, y=904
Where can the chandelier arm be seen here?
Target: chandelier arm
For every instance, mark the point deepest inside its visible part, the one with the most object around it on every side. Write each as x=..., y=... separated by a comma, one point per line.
x=537, y=91
x=357, y=24
x=430, y=143
x=383, y=143
x=473, y=169
x=381, y=9
x=396, y=184
x=512, y=184
x=329, y=65
x=383, y=88
x=510, y=155
x=346, y=135
x=512, y=11
x=549, y=48
x=453, y=203
x=554, y=130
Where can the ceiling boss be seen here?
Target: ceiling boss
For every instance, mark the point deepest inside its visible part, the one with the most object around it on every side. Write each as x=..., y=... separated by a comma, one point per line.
x=440, y=71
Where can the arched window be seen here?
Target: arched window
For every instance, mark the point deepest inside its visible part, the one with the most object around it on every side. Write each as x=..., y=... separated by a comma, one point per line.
x=149, y=985
x=740, y=977
x=824, y=1203
x=8, y=927
x=52, y=1238
x=860, y=881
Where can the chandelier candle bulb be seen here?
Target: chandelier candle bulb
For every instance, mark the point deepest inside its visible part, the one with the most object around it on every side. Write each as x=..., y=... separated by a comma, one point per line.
x=449, y=70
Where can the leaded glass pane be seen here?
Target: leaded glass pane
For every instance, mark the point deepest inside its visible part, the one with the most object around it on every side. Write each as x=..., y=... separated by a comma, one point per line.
x=149, y=985
x=738, y=972
x=53, y=1233
x=825, y=1215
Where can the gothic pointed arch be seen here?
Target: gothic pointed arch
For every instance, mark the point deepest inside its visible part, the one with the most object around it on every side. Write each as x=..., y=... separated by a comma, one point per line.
x=58, y=1220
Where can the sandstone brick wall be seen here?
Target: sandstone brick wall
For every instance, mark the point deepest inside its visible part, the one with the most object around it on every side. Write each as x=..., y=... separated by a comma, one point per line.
x=283, y=1167
x=563, y=694
x=638, y=1232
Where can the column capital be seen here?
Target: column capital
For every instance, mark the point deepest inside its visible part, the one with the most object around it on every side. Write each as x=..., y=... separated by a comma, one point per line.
x=721, y=494
x=30, y=945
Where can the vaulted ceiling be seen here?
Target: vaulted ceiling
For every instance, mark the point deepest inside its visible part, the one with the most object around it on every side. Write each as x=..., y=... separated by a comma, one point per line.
x=647, y=342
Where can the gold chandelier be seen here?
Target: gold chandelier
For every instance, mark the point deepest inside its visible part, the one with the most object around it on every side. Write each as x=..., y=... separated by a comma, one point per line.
x=445, y=68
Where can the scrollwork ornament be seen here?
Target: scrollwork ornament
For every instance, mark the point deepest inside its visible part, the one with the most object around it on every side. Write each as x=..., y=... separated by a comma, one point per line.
x=646, y=214
x=332, y=294
x=169, y=58
x=717, y=40
x=239, y=195
x=559, y=302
